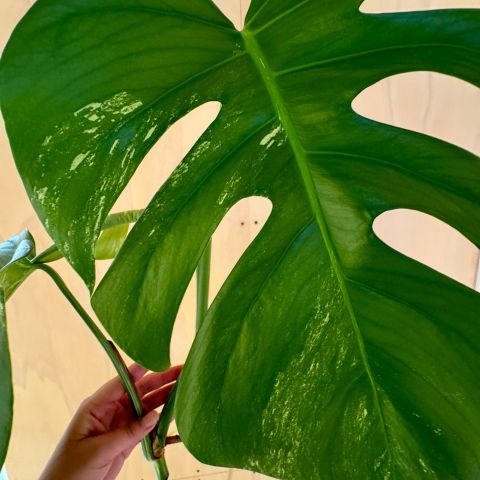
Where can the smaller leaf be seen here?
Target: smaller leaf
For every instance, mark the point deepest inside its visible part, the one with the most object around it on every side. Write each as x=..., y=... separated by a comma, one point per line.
x=120, y=218
x=15, y=264
x=6, y=390
x=114, y=231
x=110, y=241
x=16, y=248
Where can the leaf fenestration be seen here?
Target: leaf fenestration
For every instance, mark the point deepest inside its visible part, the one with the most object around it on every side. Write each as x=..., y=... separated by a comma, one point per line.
x=325, y=354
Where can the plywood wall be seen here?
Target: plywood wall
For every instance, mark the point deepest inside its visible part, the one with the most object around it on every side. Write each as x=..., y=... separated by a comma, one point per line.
x=56, y=363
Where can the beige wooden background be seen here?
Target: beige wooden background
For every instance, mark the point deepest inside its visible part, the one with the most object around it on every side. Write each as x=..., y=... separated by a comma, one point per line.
x=56, y=363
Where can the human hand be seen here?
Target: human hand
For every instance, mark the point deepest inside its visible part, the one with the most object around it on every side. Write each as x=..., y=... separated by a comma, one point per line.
x=104, y=430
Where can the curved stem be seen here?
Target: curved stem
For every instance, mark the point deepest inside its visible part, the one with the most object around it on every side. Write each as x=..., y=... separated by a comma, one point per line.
x=114, y=356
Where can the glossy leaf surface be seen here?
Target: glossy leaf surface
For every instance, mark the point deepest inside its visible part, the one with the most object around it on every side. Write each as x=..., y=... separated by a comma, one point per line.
x=114, y=232
x=6, y=390
x=15, y=266
x=326, y=354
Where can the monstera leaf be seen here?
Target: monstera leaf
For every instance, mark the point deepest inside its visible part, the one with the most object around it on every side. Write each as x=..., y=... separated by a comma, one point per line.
x=326, y=354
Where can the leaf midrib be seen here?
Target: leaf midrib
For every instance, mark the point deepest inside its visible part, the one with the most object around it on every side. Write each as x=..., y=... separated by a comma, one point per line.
x=300, y=154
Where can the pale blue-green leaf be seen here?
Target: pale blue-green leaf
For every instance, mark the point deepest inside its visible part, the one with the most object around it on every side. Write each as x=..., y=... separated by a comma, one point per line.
x=15, y=264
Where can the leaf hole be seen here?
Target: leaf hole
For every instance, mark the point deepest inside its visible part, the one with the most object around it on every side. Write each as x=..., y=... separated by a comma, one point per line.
x=430, y=241
x=392, y=6
x=425, y=102
x=166, y=155
x=234, y=10
x=162, y=159
x=230, y=240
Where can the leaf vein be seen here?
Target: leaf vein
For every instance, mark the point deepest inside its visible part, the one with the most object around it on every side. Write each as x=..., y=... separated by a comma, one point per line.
x=365, y=53
x=279, y=17
x=398, y=167
x=299, y=152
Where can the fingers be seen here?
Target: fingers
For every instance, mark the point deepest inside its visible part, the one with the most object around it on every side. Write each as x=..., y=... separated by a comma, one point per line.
x=154, y=381
x=150, y=401
x=125, y=438
x=113, y=390
x=137, y=371
x=115, y=468
x=157, y=398
x=149, y=384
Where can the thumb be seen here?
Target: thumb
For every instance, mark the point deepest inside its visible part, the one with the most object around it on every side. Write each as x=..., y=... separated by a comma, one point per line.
x=127, y=437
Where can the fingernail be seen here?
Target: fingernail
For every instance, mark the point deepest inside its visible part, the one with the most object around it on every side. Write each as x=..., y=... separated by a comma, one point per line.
x=150, y=419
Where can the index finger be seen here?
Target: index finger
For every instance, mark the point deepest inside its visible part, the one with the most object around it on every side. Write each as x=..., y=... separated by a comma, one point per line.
x=156, y=380
x=113, y=389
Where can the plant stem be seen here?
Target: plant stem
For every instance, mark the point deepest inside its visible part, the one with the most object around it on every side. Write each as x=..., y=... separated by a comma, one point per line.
x=168, y=411
x=203, y=284
x=114, y=356
x=49, y=255
x=160, y=468
x=164, y=421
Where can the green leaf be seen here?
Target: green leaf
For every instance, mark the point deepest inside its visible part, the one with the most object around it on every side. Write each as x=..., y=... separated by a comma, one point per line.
x=110, y=241
x=326, y=354
x=15, y=265
x=114, y=231
x=6, y=390
x=122, y=218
